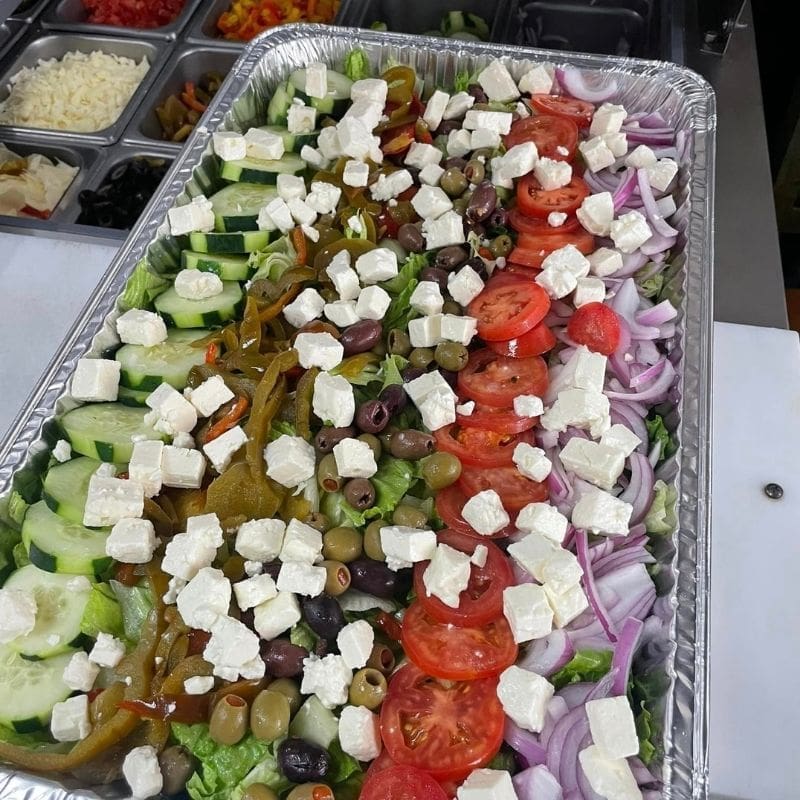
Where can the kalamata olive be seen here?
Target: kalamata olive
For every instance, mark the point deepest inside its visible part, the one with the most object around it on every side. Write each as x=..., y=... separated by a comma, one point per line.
x=372, y=416
x=373, y=577
x=476, y=262
x=282, y=658
x=324, y=615
x=410, y=237
x=411, y=373
x=328, y=438
x=451, y=307
x=450, y=376
x=482, y=203
x=476, y=90
x=360, y=493
x=498, y=218
x=361, y=336
x=446, y=126
x=411, y=444
x=177, y=765
x=394, y=397
x=302, y=762
x=449, y=258
x=455, y=162
x=436, y=275
x=272, y=569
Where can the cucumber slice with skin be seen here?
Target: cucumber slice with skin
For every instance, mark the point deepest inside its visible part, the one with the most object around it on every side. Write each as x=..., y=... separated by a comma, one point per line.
x=146, y=368
x=229, y=268
x=293, y=142
x=133, y=397
x=241, y=242
x=30, y=689
x=337, y=100
x=236, y=206
x=278, y=109
x=209, y=313
x=106, y=430
x=260, y=170
x=60, y=603
x=66, y=486
x=57, y=545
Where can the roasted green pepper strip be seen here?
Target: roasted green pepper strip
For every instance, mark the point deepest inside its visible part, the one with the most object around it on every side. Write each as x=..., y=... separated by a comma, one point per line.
x=303, y=398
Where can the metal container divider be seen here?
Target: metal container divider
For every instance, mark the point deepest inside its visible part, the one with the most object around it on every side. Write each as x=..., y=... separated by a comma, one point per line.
x=680, y=649
x=70, y=15
x=10, y=31
x=31, y=12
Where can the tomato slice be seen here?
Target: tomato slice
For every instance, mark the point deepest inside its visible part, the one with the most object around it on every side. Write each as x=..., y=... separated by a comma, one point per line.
x=578, y=111
x=496, y=380
x=597, y=326
x=482, y=600
x=449, y=505
x=498, y=420
x=504, y=312
x=446, y=728
x=538, y=226
x=533, y=343
x=384, y=761
x=535, y=201
x=478, y=447
x=532, y=250
x=548, y=133
x=401, y=783
x=459, y=653
x=515, y=490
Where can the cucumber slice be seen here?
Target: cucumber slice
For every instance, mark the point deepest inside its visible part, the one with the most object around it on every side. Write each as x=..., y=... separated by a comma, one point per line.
x=66, y=486
x=30, y=689
x=315, y=723
x=236, y=206
x=260, y=170
x=292, y=142
x=335, y=103
x=278, y=109
x=58, y=545
x=209, y=313
x=242, y=242
x=229, y=268
x=146, y=368
x=60, y=603
x=106, y=430
x=132, y=397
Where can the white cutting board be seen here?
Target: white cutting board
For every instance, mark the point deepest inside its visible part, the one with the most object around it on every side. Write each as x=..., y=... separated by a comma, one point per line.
x=755, y=565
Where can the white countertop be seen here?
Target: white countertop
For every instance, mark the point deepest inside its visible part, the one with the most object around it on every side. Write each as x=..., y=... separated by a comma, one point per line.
x=754, y=634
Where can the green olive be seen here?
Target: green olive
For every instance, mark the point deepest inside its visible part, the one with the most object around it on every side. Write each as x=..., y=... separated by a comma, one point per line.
x=440, y=470
x=452, y=356
x=421, y=357
x=398, y=342
x=259, y=791
x=328, y=476
x=270, y=715
x=310, y=791
x=318, y=521
x=177, y=765
x=228, y=723
x=484, y=153
x=501, y=246
x=374, y=444
x=233, y=568
x=381, y=658
x=451, y=307
x=409, y=517
x=368, y=688
x=288, y=687
x=460, y=206
x=342, y=544
x=337, y=580
x=474, y=172
x=379, y=348
x=372, y=540
x=453, y=182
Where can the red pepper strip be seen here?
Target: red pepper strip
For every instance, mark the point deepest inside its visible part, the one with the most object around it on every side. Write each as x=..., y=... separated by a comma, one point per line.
x=35, y=212
x=229, y=420
x=197, y=642
x=188, y=708
x=190, y=100
x=389, y=625
x=212, y=353
x=486, y=253
x=299, y=242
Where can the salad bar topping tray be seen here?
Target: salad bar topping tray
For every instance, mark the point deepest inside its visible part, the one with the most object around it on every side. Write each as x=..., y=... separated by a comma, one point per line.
x=441, y=315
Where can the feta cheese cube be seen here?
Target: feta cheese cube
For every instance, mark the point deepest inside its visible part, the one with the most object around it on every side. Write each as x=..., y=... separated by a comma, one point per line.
x=479, y=556
x=198, y=215
x=301, y=213
x=602, y=513
x=568, y=258
x=443, y=231
x=301, y=578
x=263, y=144
x=544, y=519
x=354, y=459
x=355, y=643
x=308, y=305
x=356, y=173
x=666, y=206
x=419, y=388
x=173, y=412
x=80, y=673
x=318, y=350
x=532, y=552
x=557, y=282
x=589, y=290
x=405, y=546
x=333, y=401
x=141, y=327
x=290, y=460
x=437, y=409
x=552, y=174
x=620, y=438
x=95, y=379
x=229, y=145
x=609, y=777
x=484, y=138
x=62, y=451
x=317, y=80
x=275, y=215
x=596, y=153
x=313, y=158
x=145, y=465
x=359, y=733
x=594, y=462
x=220, y=451
x=607, y=119
x=253, y=568
x=458, y=329
x=373, y=90
x=555, y=219
x=301, y=119
x=170, y=597
x=525, y=697
x=487, y=784
x=435, y=109
x=209, y=395
x=233, y=649
x=328, y=678
x=528, y=405
x=430, y=202
x=532, y=462
x=612, y=726
x=141, y=771
x=517, y=161
x=419, y=155
x=206, y=597
x=596, y=213
x=497, y=82
x=343, y=277
x=192, y=284
x=301, y=543
x=108, y=651
x=528, y=613
x=661, y=174
x=377, y=265
x=199, y=684
x=365, y=112
x=459, y=143
x=497, y=121
x=425, y=331
x=70, y=719
x=427, y=298
x=465, y=285
x=186, y=555
x=182, y=467
x=447, y=575
x=485, y=513
x=431, y=175
x=205, y=527
x=389, y=186
x=323, y=197
x=291, y=187
x=466, y=409
x=342, y=313
x=260, y=539
x=373, y=303
x=272, y=618
x=355, y=138
x=254, y=591
x=630, y=231
x=457, y=105
x=111, y=499
x=132, y=541
x=567, y=605
x=537, y=80
x=617, y=143
x=605, y=261
x=17, y=614
x=641, y=157
x=580, y=408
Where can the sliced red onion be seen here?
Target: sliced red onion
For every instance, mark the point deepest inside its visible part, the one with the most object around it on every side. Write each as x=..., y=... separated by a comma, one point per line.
x=665, y=152
x=626, y=301
x=667, y=331
x=620, y=559
x=658, y=244
x=620, y=366
x=650, y=136
x=525, y=744
x=644, y=777
x=575, y=694
x=548, y=655
x=626, y=186
x=547, y=439
x=647, y=351
x=640, y=491
x=566, y=354
x=631, y=264
x=623, y=654
x=573, y=81
x=657, y=222
x=597, y=182
x=653, y=120
x=582, y=544
x=600, y=550
x=537, y=783
x=647, y=374
x=653, y=393
x=637, y=531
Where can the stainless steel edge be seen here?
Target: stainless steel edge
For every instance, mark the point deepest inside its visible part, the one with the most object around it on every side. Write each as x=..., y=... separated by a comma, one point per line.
x=65, y=15
x=689, y=103
x=31, y=13
x=51, y=45
x=10, y=31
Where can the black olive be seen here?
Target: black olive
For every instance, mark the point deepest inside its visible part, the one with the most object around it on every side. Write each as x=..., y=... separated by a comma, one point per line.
x=324, y=615
x=303, y=762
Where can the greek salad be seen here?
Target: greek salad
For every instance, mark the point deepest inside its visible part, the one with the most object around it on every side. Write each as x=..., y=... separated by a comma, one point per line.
x=365, y=500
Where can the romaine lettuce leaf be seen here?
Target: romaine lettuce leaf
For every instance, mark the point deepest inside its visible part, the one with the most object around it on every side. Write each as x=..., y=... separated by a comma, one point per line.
x=143, y=286
x=102, y=613
x=275, y=259
x=659, y=435
x=401, y=287
x=135, y=603
x=661, y=518
x=356, y=65
x=585, y=666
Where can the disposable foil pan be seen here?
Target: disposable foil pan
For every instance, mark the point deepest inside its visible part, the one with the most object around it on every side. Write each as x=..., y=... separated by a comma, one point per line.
x=688, y=102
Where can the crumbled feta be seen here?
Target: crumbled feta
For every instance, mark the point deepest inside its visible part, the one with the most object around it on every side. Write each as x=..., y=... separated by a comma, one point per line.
x=137, y=326
x=220, y=451
x=355, y=642
x=466, y=409
x=612, y=726
x=145, y=465
x=611, y=778
x=359, y=733
x=592, y=461
x=621, y=438
x=95, y=379
x=528, y=613
x=419, y=155
x=199, y=684
x=580, y=408
x=80, y=673
x=209, y=395
x=182, y=467
x=301, y=119
x=264, y=144
x=318, y=350
x=487, y=784
x=447, y=575
x=17, y=614
x=459, y=143
x=142, y=772
x=254, y=591
x=430, y=202
x=589, y=290
x=537, y=80
x=233, y=650
x=600, y=512
x=229, y=145
x=108, y=651
x=445, y=230
x=459, y=329
x=484, y=138
x=525, y=697
x=204, y=598
x=307, y=306
x=354, y=459
x=528, y=405
x=485, y=513
x=356, y=173
x=555, y=219
x=198, y=215
x=192, y=284
x=517, y=161
x=328, y=678
x=607, y=119
x=275, y=616
x=373, y=90
x=617, y=143
x=661, y=174
x=557, y=282
x=173, y=412
x=596, y=153
x=373, y=303
x=465, y=285
x=111, y=499
x=389, y=186
x=431, y=175
x=404, y=546
x=596, y=213
x=630, y=231
x=377, y=265
x=435, y=109
x=260, y=539
x=323, y=197
x=333, y=401
x=427, y=298
x=498, y=121
x=567, y=605
x=568, y=258
x=290, y=459
x=342, y=313
x=425, y=331
x=343, y=277
x=313, y=158
x=605, y=261
x=301, y=543
x=301, y=578
x=641, y=157
x=544, y=519
x=317, y=80
x=552, y=174
x=457, y=105
x=532, y=462
x=291, y=187
x=132, y=541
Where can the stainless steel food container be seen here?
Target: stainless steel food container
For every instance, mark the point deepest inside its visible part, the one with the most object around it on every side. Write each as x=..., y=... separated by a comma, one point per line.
x=30, y=11
x=679, y=654
x=10, y=31
x=186, y=64
x=37, y=46
x=70, y=15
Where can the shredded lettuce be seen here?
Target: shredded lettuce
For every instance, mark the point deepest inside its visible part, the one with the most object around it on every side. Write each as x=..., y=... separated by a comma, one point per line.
x=281, y=428
x=20, y=555
x=143, y=286
x=401, y=287
x=102, y=613
x=390, y=370
x=650, y=280
x=463, y=80
x=661, y=518
x=585, y=666
x=275, y=259
x=644, y=730
x=135, y=603
x=356, y=65
x=659, y=435
x=9, y=539
x=302, y=635
x=646, y=693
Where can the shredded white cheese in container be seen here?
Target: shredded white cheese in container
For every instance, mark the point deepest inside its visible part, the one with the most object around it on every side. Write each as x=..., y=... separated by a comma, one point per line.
x=79, y=92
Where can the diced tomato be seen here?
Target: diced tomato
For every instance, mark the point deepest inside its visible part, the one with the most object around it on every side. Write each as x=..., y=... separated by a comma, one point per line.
x=578, y=111
x=597, y=326
x=535, y=201
x=504, y=311
x=548, y=133
x=515, y=490
x=498, y=420
x=496, y=380
x=535, y=342
x=450, y=504
x=538, y=226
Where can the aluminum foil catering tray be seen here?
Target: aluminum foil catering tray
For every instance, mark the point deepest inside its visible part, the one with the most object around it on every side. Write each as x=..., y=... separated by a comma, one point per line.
x=688, y=102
